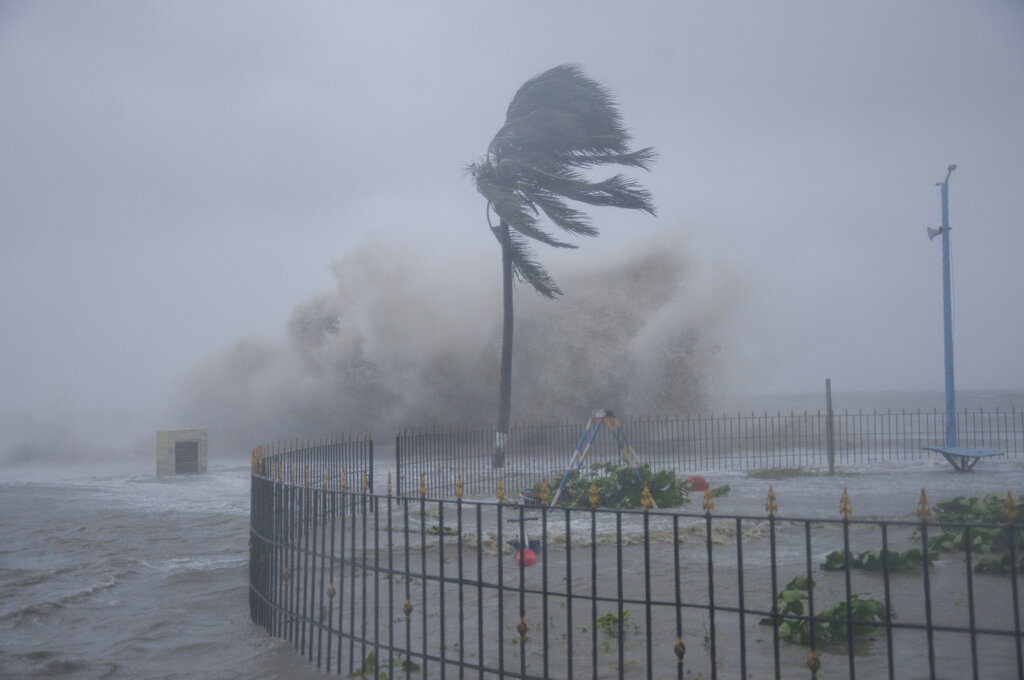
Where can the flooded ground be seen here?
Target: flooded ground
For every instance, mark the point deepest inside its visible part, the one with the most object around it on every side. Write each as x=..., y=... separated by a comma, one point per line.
x=611, y=594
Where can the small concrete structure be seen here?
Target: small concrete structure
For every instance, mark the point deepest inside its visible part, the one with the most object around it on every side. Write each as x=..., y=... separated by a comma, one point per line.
x=180, y=451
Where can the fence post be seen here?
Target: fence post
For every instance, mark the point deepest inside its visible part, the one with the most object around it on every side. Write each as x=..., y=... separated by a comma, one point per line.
x=830, y=427
x=398, y=465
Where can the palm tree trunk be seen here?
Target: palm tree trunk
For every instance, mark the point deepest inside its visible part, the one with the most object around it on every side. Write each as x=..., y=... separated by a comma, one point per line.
x=505, y=389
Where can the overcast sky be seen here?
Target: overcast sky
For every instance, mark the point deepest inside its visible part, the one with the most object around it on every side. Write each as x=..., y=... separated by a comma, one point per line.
x=176, y=176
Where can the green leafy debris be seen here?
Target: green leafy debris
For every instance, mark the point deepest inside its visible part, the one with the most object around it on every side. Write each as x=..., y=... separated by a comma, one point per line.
x=372, y=669
x=435, y=530
x=875, y=560
x=618, y=486
x=614, y=625
x=991, y=543
x=830, y=624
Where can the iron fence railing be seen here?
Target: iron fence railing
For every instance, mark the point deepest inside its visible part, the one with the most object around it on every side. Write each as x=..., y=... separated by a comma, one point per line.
x=695, y=444
x=374, y=585
x=339, y=461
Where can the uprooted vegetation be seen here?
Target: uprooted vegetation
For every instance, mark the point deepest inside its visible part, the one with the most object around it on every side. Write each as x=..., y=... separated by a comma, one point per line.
x=995, y=543
x=620, y=487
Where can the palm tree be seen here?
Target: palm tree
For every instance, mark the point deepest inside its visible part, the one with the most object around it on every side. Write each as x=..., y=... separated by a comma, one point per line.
x=559, y=125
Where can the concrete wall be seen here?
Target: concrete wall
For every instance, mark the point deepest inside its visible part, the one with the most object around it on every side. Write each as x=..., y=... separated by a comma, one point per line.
x=169, y=443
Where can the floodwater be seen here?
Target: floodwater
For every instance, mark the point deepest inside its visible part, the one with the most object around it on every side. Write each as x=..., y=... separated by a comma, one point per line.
x=131, y=576
x=610, y=562
x=119, y=574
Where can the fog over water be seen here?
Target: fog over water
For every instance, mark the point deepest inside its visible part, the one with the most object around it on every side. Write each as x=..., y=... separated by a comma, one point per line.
x=253, y=217
x=389, y=349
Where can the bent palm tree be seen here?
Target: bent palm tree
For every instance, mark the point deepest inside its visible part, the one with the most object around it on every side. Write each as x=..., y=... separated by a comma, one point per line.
x=558, y=125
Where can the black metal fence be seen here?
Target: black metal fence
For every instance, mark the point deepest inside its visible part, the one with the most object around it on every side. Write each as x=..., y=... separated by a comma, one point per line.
x=285, y=516
x=376, y=585
x=697, y=444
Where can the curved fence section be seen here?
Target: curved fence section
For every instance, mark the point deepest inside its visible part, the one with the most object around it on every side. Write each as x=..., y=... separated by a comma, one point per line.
x=291, y=508
x=697, y=444
x=387, y=586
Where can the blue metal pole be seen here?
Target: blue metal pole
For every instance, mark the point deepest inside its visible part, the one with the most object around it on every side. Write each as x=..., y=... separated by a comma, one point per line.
x=952, y=438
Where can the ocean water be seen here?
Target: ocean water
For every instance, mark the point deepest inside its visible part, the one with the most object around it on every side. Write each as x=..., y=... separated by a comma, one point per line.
x=112, y=572
x=126, y=575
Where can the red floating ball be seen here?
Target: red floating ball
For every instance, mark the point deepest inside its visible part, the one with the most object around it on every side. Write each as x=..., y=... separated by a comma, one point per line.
x=698, y=483
x=526, y=557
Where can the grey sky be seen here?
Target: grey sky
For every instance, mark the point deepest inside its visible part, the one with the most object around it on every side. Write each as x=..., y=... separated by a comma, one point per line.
x=175, y=176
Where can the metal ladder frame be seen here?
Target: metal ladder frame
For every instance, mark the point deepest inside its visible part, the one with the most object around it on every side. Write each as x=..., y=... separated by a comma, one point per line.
x=597, y=419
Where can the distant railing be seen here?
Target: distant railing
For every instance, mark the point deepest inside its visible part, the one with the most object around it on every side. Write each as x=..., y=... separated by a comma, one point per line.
x=695, y=444
x=374, y=585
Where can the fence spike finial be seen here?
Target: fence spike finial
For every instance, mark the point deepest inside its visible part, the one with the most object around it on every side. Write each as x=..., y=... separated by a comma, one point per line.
x=344, y=479
x=708, y=504
x=771, y=506
x=325, y=478
x=1010, y=511
x=646, y=502
x=458, y=487
x=389, y=482
x=500, y=493
x=522, y=629
x=423, y=485
x=680, y=650
x=366, y=483
x=307, y=475
x=594, y=499
x=814, y=664
x=845, y=509
x=924, y=509
x=924, y=512
x=545, y=493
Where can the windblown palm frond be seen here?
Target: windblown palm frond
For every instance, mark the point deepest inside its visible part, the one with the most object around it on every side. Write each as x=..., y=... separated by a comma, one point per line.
x=558, y=124
x=528, y=269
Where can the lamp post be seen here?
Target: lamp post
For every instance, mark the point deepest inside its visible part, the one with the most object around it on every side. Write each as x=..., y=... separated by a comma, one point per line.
x=952, y=438
x=963, y=459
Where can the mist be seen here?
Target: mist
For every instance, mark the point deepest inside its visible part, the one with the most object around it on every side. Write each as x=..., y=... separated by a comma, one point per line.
x=177, y=181
x=394, y=346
